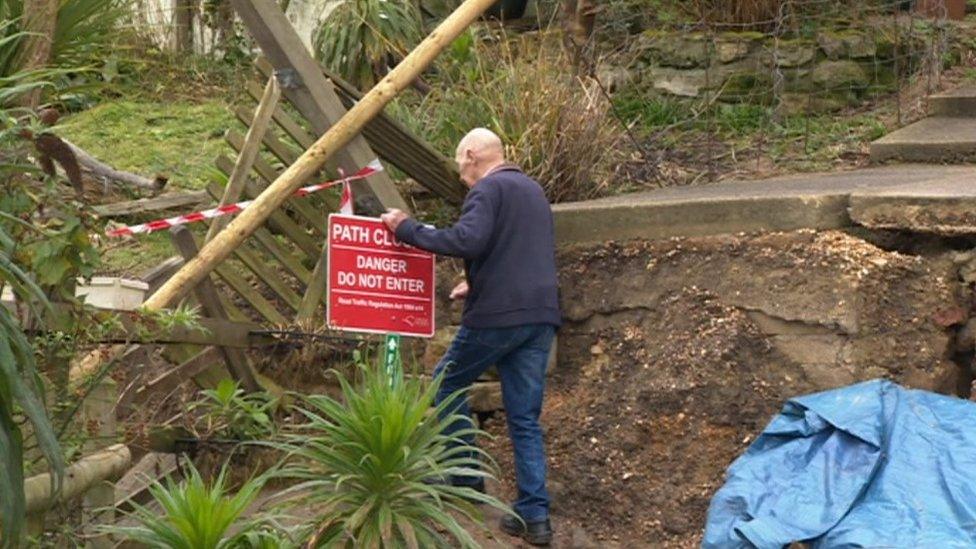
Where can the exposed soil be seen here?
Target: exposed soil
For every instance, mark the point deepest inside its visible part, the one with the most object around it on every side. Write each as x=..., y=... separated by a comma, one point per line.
x=677, y=353
x=641, y=426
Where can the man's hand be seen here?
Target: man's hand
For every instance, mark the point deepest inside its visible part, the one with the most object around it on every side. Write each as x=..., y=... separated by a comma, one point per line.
x=393, y=217
x=460, y=291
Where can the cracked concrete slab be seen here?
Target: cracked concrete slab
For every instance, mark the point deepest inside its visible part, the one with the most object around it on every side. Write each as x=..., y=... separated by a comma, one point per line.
x=944, y=207
x=809, y=201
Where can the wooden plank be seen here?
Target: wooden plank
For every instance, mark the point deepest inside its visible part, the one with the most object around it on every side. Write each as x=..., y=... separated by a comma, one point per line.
x=248, y=152
x=284, y=120
x=315, y=291
x=240, y=285
x=310, y=92
x=284, y=257
x=172, y=378
x=192, y=199
x=136, y=482
x=299, y=205
x=206, y=294
x=278, y=220
x=157, y=275
x=257, y=265
x=280, y=149
x=397, y=145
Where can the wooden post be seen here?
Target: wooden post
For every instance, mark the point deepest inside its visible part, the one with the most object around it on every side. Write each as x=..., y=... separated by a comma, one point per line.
x=206, y=294
x=98, y=417
x=311, y=160
x=307, y=89
x=315, y=289
x=183, y=21
x=78, y=478
x=249, y=152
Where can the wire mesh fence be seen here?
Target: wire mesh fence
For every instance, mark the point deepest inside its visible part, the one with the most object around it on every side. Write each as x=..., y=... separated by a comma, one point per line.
x=720, y=88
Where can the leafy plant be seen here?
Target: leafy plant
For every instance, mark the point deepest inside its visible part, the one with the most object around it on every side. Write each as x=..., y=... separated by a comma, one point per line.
x=557, y=126
x=230, y=412
x=83, y=38
x=183, y=316
x=361, y=38
x=21, y=392
x=197, y=515
x=366, y=466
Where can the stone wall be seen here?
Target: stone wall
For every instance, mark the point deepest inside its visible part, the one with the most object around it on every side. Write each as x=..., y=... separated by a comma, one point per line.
x=827, y=71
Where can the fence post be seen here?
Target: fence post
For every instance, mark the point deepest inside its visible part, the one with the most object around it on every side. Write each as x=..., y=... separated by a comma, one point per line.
x=98, y=422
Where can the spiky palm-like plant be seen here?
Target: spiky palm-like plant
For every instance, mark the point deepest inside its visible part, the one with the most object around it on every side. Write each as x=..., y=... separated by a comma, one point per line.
x=198, y=515
x=21, y=392
x=361, y=38
x=367, y=464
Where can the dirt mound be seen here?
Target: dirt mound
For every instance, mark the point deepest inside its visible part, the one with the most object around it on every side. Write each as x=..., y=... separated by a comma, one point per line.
x=640, y=432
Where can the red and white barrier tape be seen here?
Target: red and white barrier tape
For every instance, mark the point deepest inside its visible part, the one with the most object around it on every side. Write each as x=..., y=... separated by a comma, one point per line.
x=230, y=209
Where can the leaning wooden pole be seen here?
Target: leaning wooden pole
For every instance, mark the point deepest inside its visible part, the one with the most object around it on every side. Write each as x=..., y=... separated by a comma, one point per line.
x=311, y=160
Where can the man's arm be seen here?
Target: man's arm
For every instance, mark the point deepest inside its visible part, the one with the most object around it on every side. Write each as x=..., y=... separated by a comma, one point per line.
x=467, y=238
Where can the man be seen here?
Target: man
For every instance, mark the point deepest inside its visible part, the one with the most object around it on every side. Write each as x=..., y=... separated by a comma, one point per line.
x=511, y=309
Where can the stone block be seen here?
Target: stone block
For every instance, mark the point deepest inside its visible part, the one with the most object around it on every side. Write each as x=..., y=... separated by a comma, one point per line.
x=683, y=83
x=847, y=44
x=728, y=50
x=676, y=50
x=794, y=53
x=839, y=75
x=747, y=87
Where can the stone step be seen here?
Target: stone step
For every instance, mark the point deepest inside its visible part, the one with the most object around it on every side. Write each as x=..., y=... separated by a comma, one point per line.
x=960, y=102
x=936, y=139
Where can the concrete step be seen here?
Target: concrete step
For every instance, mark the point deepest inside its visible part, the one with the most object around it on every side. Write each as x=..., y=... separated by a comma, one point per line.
x=935, y=139
x=960, y=102
x=913, y=197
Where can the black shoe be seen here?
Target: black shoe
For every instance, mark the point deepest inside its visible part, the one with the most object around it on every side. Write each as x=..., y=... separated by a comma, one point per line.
x=537, y=532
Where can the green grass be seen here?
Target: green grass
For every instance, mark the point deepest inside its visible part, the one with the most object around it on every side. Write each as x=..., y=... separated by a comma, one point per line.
x=793, y=143
x=135, y=256
x=178, y=139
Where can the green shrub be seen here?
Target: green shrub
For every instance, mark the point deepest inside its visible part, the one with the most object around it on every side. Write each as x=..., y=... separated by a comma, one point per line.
x=231, y=413
x=197, y=515
x=556, y=125
x=366, y=466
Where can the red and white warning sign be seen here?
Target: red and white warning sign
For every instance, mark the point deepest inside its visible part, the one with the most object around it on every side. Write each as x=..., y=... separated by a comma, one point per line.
x=377, y=283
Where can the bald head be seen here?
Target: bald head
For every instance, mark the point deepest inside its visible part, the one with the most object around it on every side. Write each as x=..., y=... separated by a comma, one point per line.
x=478, y=152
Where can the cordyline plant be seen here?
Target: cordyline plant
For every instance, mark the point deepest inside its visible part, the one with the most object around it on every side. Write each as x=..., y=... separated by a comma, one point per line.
x=373, y=467
x=361, y=39
x=21, y=392
x=198, y=515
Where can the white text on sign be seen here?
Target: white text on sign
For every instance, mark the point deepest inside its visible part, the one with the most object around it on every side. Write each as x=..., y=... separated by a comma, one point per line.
x=353, y=234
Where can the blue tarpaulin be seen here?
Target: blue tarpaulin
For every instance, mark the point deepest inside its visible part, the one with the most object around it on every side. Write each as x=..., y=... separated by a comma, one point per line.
x=870, y=465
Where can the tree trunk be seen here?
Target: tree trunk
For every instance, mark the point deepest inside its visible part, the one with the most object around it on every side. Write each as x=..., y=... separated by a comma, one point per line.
x=110, y=463
x=183, y=21
x=40, y=19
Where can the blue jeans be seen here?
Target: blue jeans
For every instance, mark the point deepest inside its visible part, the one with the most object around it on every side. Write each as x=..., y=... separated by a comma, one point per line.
x=520, y=353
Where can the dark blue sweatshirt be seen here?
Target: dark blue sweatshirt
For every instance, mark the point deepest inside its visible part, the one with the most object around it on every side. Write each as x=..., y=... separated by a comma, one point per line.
x=505, y=236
